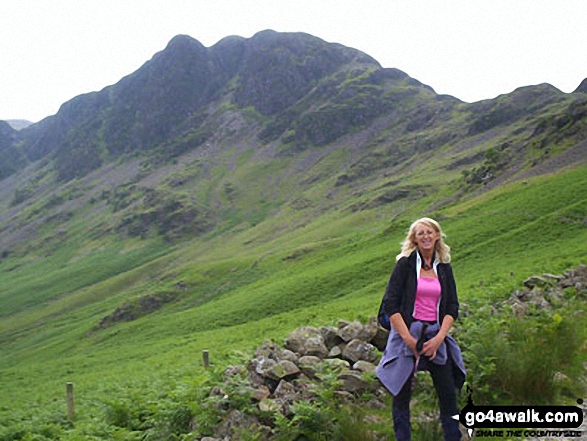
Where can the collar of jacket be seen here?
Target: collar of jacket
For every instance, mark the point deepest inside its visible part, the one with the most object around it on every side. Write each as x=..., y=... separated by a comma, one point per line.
x=419, y=264
x=416, y=262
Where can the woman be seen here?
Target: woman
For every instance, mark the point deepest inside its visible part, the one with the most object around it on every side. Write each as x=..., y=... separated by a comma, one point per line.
x=421, y=305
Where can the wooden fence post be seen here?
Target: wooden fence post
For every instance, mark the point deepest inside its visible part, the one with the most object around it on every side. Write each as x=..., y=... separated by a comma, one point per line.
x=206, y=358
x=70, y=401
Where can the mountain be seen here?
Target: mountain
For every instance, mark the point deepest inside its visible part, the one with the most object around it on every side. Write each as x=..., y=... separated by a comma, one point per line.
x=300, y=90
x=220, y=196
x=174, y=95
x=278, y=94
x=582, y=87
x=19, y=124
x=200, y=140
x=11, y=158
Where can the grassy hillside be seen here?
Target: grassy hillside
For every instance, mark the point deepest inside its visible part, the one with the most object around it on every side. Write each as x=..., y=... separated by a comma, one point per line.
x=243, y=287
x=218, y=197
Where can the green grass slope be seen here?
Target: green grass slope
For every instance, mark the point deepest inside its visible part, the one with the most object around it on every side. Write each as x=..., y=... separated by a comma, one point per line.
x=230, y=291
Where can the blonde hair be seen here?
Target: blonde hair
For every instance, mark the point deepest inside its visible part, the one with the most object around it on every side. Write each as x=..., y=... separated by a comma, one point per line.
x=409, y=244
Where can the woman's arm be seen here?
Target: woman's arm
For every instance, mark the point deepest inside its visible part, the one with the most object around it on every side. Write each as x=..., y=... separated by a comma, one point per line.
x=431, y=346
x=452, y=299
x=397, y=321
x=396, y=287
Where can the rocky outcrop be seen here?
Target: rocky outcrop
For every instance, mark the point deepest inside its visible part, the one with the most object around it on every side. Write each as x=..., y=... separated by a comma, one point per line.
x=582, y=87
x=547, y=291
x=132, y=310
x=278, y=376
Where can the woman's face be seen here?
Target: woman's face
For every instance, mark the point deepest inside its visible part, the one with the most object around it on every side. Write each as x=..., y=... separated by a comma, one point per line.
x=425, y=237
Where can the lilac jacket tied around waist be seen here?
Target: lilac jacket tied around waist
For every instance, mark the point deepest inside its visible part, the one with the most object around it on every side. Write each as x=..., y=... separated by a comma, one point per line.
x=397, y=363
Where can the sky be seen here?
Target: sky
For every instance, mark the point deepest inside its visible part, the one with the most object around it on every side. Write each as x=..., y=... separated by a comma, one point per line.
x=54, y=50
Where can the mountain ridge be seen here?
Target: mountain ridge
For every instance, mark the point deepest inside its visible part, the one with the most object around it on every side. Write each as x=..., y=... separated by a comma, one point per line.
x=167, y=96
x=239, y=149
x=138, y=115
x=334, y=127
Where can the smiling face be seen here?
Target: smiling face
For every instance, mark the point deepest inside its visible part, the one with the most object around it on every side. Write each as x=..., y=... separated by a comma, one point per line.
x=425, y=237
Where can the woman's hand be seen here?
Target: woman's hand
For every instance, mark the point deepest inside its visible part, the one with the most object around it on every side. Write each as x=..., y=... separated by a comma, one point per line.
x=411, y=343
x=431, y=346
x=399, y=325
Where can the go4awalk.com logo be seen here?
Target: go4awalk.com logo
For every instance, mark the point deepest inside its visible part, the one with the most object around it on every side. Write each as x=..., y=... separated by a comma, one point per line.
x=521, y=421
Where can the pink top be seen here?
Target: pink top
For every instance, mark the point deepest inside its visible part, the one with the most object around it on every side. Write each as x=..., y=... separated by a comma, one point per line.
x=427, y=297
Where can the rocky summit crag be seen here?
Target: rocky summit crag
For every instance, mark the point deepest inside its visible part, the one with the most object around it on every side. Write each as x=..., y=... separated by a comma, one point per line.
x=201, y=139
x=178, y=94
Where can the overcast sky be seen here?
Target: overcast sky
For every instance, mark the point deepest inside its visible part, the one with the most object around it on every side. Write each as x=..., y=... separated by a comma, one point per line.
x=54, y=50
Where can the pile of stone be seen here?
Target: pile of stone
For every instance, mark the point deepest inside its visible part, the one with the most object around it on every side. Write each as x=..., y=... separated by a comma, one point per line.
x=279, y=376
x=352, y=348
x=547, y=291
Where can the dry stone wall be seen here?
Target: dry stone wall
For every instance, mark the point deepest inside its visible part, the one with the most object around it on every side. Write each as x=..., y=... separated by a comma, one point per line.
x=280, y=375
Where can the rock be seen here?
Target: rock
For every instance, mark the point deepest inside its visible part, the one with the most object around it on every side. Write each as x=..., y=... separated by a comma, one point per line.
x=364, y=366
x=567, y=283
x=257, y=368
x=354, y=331
x=359, y=350
x=344, y=395
x=330, y=336
x=559, y=377
x=260, y=393
x=261, y=365
x=335, y=352
x=337, y=363
x=380, y=339
x=289, y=355
x=352, y=381
x=297, y=340
x=309, y=360
x=342, y=324
x=270, y=405
x=217, y=392
x=233, y=422
x=581, y=271
x=281, y=370
x=308, y=364
x=315, y=346
x=372, y=328
x=555, y=296
x=306, y=389
x=285, y=391
x=537, y=299
x=269, y=350
x=553, y=277
x=232, y=371
x=518, y=307
x=536, y=281
x=376, y=404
